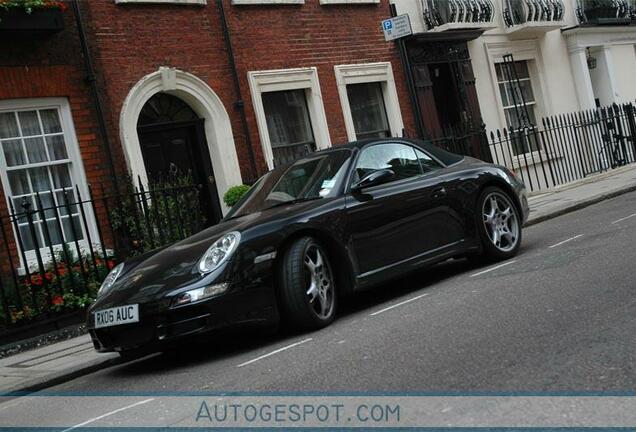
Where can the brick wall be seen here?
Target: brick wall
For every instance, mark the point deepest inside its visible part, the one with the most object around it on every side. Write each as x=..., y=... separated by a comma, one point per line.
x=130, y=41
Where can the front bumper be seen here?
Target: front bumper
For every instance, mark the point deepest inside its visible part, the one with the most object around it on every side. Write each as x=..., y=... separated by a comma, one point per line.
x=159, y=325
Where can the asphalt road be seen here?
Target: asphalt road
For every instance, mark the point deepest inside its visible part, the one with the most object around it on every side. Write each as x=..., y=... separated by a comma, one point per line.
x=559, y=317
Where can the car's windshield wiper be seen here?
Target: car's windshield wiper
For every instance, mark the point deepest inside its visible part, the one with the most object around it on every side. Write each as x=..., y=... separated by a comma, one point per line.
x=294, y=201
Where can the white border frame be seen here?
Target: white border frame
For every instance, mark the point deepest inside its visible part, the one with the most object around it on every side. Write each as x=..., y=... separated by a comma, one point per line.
x=367, y=73
x=289, y=79
x=77, y=169
x=203, y=101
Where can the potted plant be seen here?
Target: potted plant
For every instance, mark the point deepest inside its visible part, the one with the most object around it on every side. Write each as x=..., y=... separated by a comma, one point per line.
x=25, y=16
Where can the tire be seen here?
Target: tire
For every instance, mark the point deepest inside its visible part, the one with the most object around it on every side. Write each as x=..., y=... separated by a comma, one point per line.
x=308, y=297
x=500, y=231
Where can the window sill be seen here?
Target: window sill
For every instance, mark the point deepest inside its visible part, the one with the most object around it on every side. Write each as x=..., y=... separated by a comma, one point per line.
x=171, y=2
x=525, y=160
x=344, y=2
x=267, y=2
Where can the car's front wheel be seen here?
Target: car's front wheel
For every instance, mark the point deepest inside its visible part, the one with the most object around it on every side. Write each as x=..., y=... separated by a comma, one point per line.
x=308, y=292
x=499, y=224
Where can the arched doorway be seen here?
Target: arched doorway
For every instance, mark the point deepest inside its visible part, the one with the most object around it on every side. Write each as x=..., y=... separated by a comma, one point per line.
x=205, y=103
x=173, y=144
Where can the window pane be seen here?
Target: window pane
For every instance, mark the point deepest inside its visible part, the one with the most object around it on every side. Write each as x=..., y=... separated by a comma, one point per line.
x=54, y=232
x=57, y=148
x=19, y=182
x=13, y=153
x=29, y=123
x=288, y=154
x=47, y=204
x=50, y=121
x=8, y=126
x=526, y=90
x=40, y=179
x=287, y=118
x=62, y=203
x=368, y=110
x=61, y=176
x=504, y=95
x=35, y=149
x=522, y=69
x=69, y=234
x=399, y=158
x=27, y=238
x=428, y=164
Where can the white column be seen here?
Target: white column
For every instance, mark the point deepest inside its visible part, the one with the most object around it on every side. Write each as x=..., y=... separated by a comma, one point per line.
x=612, y=82
x=584, y=91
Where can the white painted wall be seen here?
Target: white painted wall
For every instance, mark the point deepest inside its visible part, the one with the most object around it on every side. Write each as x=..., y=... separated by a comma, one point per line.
x=563, y=83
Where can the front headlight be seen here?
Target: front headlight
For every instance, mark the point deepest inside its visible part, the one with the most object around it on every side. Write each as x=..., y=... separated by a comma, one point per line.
x=110, y=280
x=219, y=252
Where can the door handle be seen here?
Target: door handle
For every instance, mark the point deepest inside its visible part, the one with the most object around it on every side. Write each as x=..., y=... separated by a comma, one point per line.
x=439, y=193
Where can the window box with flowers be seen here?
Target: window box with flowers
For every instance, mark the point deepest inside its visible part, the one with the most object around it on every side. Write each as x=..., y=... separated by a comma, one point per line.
x=31, y=16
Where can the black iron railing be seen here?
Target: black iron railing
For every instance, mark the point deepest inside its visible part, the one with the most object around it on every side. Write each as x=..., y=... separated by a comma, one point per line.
x=606, y=12
x=517, y=12
x=54, y=253
x=568, y=147
x=440, y=12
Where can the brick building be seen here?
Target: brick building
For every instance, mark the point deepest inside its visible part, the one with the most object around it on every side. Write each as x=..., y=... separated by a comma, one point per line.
x=225, y=90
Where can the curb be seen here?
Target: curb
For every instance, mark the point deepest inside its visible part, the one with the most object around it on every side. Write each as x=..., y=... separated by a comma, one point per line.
x=579, y=205
x=60, y=377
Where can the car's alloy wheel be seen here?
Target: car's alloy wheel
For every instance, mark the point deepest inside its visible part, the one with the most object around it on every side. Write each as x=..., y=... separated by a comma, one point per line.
x=500, y=224
x=320, y=291
x=307, y=292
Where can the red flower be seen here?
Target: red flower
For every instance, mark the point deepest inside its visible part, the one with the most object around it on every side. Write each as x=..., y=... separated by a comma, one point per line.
x=110, y=264
x=36, y=280
x=58, y=300
x=48, y=276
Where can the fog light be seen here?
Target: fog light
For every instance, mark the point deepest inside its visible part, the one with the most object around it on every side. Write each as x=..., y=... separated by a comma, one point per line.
x=200, y=294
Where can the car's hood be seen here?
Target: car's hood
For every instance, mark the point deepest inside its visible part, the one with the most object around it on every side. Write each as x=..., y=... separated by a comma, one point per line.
x=176, y=265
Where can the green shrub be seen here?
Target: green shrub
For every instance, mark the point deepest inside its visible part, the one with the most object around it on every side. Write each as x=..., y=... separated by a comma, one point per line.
x=234, y=194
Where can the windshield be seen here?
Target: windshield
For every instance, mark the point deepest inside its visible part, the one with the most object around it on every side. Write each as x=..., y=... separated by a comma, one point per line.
x=314, y=177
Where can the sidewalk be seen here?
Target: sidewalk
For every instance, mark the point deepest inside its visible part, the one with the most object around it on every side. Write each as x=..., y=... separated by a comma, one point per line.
x=51, y=365
x=568, y=198
x=62, y=361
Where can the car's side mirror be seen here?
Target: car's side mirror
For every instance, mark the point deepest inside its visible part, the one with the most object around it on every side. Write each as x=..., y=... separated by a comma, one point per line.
x=373, y=178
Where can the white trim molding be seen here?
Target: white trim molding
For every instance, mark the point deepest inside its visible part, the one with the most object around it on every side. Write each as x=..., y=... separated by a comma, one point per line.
x=267, y=2
x=340, y=2
x=289, y=79
x=365, y=73
x=171, y=2
x=203, y=101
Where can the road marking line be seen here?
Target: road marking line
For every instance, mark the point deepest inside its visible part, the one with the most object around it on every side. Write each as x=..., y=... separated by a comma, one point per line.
x=493, y=268
x=399, y=304
x=565, y=241
x=625, y=218
x=108, y=414
x=274, y=352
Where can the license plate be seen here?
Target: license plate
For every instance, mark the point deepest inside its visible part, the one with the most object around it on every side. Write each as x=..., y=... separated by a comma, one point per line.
x=117, y=316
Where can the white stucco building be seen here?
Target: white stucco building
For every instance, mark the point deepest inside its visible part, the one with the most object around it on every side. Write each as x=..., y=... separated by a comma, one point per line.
x=573, y=55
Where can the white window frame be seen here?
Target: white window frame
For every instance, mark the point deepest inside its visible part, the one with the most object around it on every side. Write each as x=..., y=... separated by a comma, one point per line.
x=266, y=2
x=289, y=79
x=76, y=166
x=171, y=2
x=330, y=2
x=381, y=72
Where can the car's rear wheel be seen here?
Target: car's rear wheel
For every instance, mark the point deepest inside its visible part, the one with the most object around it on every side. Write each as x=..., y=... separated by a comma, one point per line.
x=308, y=291
x=499, y=224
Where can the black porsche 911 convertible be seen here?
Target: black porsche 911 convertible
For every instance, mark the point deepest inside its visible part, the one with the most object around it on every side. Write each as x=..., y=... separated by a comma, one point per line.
x=332, y=223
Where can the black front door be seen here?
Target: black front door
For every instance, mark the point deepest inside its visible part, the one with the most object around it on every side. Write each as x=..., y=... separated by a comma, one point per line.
x=180, y=148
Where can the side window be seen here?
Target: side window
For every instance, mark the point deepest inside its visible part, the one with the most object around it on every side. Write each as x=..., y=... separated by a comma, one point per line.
x=428, y=164
x=399, y=158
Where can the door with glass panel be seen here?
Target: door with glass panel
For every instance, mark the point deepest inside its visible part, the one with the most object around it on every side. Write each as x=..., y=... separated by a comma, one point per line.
x=37, y=174
x=289, y=125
